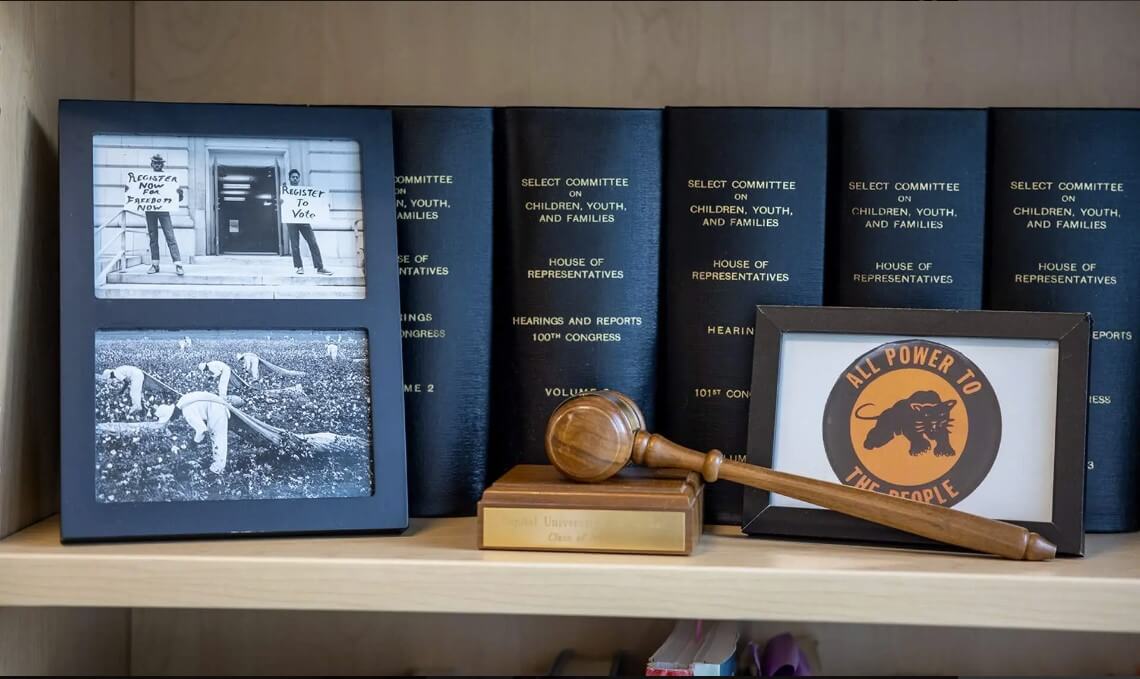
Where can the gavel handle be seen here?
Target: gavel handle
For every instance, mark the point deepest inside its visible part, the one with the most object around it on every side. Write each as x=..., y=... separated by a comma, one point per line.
x=930, y=521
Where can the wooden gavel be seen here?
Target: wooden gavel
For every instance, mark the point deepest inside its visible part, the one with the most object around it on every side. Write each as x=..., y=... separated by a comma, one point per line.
x=590, y=437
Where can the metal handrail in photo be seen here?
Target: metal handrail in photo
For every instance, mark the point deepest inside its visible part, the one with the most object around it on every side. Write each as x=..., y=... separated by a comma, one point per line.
x=121, y=238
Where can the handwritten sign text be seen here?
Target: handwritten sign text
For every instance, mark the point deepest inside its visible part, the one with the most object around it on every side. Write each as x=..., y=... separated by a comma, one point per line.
x=151, y=192
x=304, y=205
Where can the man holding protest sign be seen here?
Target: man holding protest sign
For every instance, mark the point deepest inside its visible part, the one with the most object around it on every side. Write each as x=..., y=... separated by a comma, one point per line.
x=153, y=194
x=300, y=207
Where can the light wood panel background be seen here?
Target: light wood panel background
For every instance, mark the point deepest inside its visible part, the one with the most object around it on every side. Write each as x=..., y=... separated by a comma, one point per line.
x=47, y=51
x=201, y=642
x=64, y=641
x=275, y=642
x=642, y=53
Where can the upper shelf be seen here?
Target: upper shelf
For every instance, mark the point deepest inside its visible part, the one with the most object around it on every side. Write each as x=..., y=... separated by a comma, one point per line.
x=434, y=567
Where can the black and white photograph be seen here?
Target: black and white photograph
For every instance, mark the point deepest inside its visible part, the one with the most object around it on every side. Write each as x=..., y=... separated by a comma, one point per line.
x=238, y=367
x=227, y=217
x=231, y=415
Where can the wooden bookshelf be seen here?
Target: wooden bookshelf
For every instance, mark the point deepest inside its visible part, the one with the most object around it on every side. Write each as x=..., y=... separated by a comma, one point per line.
x=435, y=567
x=99, y=609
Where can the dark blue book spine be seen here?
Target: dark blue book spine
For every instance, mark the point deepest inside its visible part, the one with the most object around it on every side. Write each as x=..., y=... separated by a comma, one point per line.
x=1065, y=236
x=579, y=264
x=746, y=194
x=444, y=188
x=909, y=227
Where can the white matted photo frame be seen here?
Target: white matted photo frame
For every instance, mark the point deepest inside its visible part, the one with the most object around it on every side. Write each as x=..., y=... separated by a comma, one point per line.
x=229, y=327
x=982, y=411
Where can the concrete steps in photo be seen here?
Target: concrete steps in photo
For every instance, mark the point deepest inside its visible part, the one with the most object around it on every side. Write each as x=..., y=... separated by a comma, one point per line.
x=268, y=260
x=235, y=276
x=130, y=260
x=212, y=275
x=192, y=291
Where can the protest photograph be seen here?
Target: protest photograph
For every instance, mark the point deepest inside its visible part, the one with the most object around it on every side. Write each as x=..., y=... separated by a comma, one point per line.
x=227, y=218
x=231, y=415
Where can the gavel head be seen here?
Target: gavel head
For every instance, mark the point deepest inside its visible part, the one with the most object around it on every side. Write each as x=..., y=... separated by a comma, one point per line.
x=590, y=437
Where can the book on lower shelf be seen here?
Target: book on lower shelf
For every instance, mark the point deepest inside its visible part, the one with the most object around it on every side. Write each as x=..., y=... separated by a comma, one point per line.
x=696, y=649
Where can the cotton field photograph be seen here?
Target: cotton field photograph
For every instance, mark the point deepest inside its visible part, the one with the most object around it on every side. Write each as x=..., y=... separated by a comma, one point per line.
x=231, y=415
x=227, y=218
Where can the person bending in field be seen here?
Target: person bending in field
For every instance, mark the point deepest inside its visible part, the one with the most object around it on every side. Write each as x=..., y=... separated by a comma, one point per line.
x=251, y=362
x=219, y=370
x=205, y=413
x=132, y=379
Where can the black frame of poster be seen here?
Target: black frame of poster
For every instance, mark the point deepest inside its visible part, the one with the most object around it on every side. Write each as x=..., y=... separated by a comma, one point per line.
x=82, y=315
x=1071, y=331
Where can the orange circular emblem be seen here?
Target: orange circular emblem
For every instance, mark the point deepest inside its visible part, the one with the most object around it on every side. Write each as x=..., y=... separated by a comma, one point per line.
x=914, y=418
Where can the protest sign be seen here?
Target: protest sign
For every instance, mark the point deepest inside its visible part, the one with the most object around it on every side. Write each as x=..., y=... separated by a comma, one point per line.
x=304, y=205
x=151, y=192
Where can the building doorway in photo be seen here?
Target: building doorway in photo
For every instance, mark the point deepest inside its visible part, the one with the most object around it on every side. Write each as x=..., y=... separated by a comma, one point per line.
x=247, y=209
x=228, y=221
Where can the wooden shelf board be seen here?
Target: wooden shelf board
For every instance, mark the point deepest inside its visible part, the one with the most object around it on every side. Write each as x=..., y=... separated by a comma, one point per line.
x=434, y=567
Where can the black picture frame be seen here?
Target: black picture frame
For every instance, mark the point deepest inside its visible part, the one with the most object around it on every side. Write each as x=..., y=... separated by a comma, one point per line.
x=82, y=314
x=1071, y=331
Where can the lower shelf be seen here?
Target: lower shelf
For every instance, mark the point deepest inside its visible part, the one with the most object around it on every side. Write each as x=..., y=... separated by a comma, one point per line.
x=434, y=567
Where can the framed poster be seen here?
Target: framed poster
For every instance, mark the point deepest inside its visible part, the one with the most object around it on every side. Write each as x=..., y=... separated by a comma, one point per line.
x=982, y=411
x=229, y=321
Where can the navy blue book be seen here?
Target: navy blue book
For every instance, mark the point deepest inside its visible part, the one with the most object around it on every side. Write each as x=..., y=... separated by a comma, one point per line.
x=909, y=227
x=746, y=194
x=581, y=207
x=444, y=188
x=1065, y=236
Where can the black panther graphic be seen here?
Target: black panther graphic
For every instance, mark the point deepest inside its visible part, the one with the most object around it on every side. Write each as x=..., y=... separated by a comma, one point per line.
x=923, y=418
x=920, y=396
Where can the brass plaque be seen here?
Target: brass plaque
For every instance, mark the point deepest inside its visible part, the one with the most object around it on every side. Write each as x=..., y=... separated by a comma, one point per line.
x=583, y=529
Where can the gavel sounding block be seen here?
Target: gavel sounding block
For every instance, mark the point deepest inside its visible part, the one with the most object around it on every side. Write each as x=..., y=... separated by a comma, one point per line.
x=637, y=511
